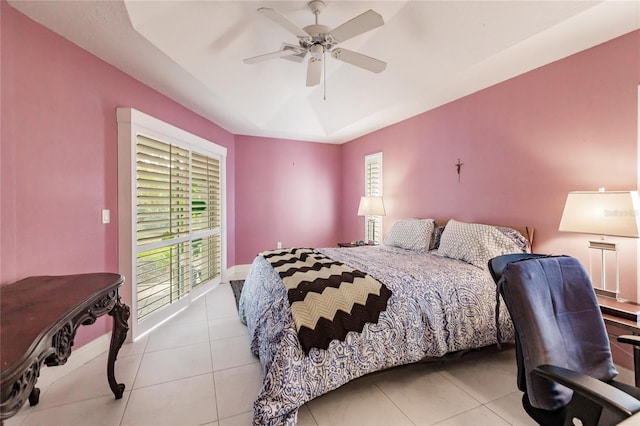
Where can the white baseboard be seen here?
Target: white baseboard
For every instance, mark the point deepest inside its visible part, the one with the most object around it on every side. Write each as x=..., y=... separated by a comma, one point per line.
x=237, y=272
x=78, y=357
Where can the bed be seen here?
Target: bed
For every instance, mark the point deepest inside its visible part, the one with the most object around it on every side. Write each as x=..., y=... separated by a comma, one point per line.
x=440, y=299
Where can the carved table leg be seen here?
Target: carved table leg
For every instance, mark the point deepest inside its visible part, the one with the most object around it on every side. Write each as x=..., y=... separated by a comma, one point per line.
x=120, y=314
x=14, y=395
x=34, y=396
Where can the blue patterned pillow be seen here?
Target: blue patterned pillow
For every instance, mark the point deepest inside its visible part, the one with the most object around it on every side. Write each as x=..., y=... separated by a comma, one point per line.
x=411, y=234
x=520, y=241
x=475, y=243
x=435, y=239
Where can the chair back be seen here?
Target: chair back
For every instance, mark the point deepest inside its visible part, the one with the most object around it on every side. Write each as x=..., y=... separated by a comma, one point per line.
x=558, y=321
x=496, y=268
x=498, y=263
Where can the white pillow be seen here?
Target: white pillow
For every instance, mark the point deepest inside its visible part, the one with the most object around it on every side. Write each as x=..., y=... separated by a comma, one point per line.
x=474, y=243
x=411, y=234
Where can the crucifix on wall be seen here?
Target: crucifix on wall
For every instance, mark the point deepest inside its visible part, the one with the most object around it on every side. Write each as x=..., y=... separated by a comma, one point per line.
x=459, y=168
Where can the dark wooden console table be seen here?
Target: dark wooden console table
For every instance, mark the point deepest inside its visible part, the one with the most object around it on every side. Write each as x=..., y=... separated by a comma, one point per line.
x=39, y=317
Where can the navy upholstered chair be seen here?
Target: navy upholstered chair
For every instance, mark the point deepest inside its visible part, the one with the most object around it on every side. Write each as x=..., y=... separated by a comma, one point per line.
x=565, y=368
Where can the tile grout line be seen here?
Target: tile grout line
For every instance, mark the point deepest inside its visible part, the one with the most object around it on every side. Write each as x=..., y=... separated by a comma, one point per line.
x=135, y=377
x=213, y=372
x=498, y=414
x=392, y=402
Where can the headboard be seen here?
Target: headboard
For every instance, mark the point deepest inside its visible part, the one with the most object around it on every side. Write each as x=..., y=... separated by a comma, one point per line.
x=526, y=231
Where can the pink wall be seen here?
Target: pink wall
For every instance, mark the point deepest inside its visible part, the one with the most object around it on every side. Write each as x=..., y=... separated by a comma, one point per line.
x=289, y=194
x=59, y=155
x=525, y=143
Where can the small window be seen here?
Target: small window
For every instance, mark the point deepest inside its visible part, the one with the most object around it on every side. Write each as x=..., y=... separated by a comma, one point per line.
x=373, y=188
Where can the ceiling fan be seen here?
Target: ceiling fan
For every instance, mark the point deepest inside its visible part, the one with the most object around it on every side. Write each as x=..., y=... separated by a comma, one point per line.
x=319, y=39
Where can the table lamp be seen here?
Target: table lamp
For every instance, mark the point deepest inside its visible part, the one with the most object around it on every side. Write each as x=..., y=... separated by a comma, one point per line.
x=371, y=206
x=604, y=213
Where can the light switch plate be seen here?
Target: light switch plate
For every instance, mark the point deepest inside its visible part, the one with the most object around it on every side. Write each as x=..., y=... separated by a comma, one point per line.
x=106, y=216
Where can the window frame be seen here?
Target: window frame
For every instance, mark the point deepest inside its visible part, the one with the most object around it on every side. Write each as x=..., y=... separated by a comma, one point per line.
x=375, y=158
x=132, y=123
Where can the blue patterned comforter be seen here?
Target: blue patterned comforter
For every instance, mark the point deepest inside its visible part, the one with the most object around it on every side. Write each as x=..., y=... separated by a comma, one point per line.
x=439, y=305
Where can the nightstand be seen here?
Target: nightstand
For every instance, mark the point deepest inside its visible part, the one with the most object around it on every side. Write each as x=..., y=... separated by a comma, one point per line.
x=626, y=310
x=355, y=244
x=624, y=315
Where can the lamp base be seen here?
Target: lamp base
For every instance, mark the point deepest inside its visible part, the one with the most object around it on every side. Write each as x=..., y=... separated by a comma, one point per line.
x=603, y=246
x=371, y=234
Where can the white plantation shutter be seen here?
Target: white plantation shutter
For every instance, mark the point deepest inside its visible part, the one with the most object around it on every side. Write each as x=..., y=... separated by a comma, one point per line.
x=162, y=277
x=177, y=222
x=205, y=192
x=205, y=215
x=162, y=191
x=162, y=224
x=373, y=187
x=171, y=217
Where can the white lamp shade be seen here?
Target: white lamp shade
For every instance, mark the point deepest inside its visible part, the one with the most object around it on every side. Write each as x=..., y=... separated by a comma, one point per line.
x=613, y=213
x=371, y=206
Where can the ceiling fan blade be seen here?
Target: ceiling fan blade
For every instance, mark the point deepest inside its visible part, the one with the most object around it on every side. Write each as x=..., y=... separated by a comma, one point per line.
x=283, y=21
x=356, y=26
x=272, y=55
x=314, y=71
x=359, y=60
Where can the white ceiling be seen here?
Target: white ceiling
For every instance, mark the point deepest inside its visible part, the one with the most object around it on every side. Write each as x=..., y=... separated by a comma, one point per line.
x=437, y=51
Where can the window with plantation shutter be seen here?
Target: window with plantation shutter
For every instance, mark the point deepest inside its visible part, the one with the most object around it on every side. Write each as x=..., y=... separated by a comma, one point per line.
x=373, y=187
x=175, y=226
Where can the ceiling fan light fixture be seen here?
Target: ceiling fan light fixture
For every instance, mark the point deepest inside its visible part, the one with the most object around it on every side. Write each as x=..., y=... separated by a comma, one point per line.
x=316, y=51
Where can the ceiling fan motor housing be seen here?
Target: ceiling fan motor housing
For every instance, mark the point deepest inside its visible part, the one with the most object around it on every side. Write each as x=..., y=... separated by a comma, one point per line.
x=319, y=35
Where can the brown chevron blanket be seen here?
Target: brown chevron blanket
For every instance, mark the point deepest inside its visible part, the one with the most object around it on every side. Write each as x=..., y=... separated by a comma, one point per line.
x=328, y=299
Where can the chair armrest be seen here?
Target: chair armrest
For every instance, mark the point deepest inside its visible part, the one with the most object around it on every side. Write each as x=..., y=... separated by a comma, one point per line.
x=630, y=339
x=597, y=391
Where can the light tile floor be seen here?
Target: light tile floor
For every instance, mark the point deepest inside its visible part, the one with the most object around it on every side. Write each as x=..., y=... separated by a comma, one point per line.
x=197, y=370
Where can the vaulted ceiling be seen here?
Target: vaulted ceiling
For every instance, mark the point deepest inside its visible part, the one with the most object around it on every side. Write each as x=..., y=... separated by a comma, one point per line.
x=436, y=52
